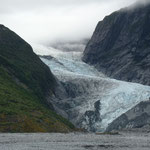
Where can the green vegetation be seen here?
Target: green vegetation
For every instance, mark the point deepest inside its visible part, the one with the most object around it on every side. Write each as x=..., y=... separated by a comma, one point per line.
x=18, y=57
x=22, y=111
x=24, y=83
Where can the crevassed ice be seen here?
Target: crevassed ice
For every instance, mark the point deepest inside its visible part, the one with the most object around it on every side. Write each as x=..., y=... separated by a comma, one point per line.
x=116, y=97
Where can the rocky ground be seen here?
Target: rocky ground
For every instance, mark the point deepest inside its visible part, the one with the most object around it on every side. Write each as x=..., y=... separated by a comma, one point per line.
x=124, y=140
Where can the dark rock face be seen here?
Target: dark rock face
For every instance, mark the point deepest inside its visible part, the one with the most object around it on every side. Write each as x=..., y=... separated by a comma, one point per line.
x=120, y=45
x=92, y=117
x=137, y=117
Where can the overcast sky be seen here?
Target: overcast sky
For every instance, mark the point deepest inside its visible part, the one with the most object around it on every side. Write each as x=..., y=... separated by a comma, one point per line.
x=41, y=21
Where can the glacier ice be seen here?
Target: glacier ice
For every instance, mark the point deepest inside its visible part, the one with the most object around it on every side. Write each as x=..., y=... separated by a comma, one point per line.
x=90, y=86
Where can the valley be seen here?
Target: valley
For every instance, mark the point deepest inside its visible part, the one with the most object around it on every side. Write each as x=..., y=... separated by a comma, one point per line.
x=90, y=99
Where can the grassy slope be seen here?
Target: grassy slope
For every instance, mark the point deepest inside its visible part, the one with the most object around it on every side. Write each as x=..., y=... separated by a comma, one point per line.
x=17, y=55
x=22, y=111
x=24, y=82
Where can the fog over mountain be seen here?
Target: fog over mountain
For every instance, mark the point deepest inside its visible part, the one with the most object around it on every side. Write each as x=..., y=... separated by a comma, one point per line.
x=54, y=20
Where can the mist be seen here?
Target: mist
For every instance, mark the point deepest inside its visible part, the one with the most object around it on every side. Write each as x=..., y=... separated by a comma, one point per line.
x=52, y=21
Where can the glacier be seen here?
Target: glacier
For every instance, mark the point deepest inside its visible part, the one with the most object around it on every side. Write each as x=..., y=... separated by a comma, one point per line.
x=94, y=100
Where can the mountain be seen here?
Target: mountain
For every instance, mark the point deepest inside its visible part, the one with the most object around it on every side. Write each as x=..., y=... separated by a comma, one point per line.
x=18, y=57
x=137, y=117
x=26, y=87
x=120, y=45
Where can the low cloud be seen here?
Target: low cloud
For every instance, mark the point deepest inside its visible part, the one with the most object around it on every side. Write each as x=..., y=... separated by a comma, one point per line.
x=51, y=21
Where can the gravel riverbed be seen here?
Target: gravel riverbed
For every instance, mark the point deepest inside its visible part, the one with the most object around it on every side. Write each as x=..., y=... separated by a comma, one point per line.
x=75, y=141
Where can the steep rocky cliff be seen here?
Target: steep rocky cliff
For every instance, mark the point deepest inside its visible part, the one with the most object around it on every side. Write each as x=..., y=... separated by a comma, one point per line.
x=120, y=45
x=137, y=117
x=26, y=84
